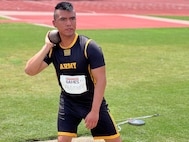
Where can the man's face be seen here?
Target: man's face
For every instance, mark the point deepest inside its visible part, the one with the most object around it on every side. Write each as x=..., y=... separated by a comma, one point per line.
x=65, y=22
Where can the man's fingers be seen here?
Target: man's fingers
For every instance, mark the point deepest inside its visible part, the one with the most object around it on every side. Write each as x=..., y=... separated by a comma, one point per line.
x=90, y=125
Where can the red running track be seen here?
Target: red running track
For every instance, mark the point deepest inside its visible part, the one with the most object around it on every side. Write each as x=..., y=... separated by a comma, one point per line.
x=100, y=14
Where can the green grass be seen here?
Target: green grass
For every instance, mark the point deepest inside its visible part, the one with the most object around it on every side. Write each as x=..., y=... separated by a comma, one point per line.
x=174, y=17
x=3, y=18
x=147, y=72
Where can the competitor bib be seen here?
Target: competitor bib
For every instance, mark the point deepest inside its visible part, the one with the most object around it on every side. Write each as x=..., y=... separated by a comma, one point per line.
x=73, y=84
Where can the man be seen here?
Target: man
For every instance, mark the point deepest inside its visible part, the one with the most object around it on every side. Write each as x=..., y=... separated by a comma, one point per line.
x=80, y=69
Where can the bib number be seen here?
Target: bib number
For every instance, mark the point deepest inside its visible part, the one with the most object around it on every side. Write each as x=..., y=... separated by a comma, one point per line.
x=73, y=84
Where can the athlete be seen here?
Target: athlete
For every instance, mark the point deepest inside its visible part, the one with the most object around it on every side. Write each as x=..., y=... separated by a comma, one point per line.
x=80, y=69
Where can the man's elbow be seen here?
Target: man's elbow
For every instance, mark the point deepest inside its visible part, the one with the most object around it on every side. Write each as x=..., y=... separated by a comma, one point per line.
x=29, y=72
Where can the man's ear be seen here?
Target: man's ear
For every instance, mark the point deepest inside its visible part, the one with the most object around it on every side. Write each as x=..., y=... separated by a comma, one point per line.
x=53, y=22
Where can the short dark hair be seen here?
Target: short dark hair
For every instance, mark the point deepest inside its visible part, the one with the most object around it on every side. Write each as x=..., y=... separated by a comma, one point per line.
x=64, y=6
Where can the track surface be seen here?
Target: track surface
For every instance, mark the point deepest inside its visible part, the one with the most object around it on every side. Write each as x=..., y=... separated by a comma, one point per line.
x=100, y=14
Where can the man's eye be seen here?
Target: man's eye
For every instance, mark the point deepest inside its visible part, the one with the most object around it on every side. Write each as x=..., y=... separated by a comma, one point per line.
x=63, y=19
x=72, y=18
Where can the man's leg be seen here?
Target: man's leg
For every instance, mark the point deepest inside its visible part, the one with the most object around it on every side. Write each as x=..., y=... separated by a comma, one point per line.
x=118, y=139
x=106, y=128
x=68, y=120
x=64, y=139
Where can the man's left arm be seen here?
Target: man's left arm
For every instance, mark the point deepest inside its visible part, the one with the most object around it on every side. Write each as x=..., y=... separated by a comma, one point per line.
x=99, y=75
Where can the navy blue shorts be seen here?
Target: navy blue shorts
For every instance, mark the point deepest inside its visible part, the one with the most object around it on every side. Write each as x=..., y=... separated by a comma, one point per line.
x=72, y=111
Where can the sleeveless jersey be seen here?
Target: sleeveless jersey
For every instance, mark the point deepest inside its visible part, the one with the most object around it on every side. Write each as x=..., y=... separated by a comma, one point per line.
x=73, y=66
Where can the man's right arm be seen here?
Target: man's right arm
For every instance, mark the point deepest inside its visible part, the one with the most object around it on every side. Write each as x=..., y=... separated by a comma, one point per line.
x=36, y=64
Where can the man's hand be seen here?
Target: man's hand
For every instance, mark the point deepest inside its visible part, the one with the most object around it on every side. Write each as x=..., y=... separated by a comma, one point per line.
x=91, y=120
